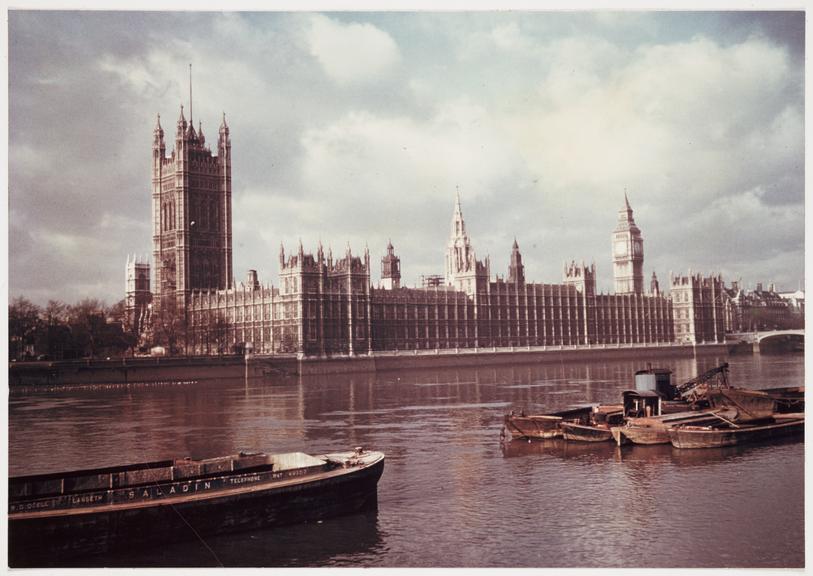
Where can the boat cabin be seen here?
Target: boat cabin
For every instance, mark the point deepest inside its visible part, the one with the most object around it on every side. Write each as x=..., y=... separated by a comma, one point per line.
x=642, y=403
x=657, y=379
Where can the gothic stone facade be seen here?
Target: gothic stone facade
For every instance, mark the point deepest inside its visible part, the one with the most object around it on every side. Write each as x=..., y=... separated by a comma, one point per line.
x=325, y=306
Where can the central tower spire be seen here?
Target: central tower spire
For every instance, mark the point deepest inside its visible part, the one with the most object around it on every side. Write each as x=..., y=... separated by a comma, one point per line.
x=459, y=253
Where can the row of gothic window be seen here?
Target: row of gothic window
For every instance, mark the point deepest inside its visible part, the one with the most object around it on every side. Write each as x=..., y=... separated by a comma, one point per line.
x=204, y=214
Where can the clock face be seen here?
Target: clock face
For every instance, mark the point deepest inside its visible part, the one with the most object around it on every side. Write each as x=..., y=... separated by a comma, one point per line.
x=637, y=248
x=620, y=248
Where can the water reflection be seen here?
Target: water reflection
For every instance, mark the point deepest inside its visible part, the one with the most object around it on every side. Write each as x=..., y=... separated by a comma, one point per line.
x=331, y=542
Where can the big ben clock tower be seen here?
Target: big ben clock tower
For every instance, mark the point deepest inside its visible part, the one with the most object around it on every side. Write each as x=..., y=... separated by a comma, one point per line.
x=628, y=253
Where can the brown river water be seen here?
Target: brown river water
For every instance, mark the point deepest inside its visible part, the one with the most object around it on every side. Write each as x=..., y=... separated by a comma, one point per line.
x=452, y=495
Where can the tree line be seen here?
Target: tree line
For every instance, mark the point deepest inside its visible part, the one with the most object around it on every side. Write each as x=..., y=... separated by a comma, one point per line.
x=87, y=329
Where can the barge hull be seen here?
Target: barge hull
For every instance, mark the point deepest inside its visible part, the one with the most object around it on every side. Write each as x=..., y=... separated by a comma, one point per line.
x=579, y=433
x=688, y=438
x=42, y=541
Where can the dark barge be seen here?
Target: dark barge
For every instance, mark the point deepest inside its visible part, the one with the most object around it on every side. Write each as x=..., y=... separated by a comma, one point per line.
x=54, y=517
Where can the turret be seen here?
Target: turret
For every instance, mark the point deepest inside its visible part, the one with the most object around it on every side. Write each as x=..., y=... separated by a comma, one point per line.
x=516, y=270
x=158, y=146
x=158, y=134
x=252, y=282
x=390, y=269
x=179, y=133
x=224, y=132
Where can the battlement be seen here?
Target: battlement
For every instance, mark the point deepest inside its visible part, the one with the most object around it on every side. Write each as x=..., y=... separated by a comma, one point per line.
x=695, y=280
x=574, y=270
x=302, y=261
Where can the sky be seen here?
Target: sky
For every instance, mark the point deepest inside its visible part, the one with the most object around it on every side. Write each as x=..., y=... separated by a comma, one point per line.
x=360, y=127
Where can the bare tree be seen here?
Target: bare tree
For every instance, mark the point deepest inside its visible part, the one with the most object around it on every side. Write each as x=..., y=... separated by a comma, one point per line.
x=24, y=326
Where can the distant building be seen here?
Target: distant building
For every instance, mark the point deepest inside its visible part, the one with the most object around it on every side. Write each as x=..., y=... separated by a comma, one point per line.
x=761, y=310
x=698, y=308
x=325, y=306
x=795, y=301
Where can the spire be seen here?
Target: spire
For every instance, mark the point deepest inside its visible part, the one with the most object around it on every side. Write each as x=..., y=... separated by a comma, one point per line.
x=200, y=133
x=654, y=285
x=458, y=224
x=625, y=213
x=626, y=209
x=281, y=255
x=181, y=123
x=190, y=93
x=516, y=270
x=158, y=133
x=223, y=133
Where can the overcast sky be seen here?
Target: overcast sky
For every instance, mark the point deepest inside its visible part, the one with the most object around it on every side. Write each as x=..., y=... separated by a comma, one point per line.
x=359, y=127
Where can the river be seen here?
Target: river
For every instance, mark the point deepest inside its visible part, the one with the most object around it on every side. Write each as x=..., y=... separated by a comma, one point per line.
x=451, y=495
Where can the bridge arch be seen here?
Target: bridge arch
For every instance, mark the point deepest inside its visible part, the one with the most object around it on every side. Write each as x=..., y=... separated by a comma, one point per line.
x=782, y=339
x=762, y=336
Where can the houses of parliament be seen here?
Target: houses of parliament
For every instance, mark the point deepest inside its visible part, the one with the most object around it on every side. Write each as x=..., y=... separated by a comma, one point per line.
x=329, y=305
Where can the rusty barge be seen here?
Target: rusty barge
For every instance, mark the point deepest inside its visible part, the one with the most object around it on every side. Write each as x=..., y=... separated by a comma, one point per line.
x=54, y=517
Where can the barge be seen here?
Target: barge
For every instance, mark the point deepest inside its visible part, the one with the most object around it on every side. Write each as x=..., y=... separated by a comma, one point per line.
x=731, y=434
x=54, y=517
x=540, y=426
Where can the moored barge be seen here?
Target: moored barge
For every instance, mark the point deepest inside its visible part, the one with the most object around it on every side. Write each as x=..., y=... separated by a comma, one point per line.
x=54, y=517
x=540, y=426
x=731, y=434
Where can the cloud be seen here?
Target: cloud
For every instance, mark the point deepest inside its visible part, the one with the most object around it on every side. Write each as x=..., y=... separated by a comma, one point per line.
x=351, y=53
x=360, y=127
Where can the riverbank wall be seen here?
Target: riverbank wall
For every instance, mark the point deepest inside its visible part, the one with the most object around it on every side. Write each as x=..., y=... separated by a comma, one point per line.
x=126, y=371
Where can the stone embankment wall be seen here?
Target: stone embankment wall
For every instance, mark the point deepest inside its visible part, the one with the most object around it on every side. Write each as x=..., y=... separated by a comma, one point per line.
x=192, y=369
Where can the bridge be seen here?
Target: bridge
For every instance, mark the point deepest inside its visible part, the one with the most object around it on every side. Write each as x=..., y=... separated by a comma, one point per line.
x=757, y=338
